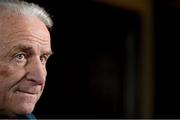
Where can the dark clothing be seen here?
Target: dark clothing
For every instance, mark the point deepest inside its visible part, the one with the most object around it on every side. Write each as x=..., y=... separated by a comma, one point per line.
x=24, y=117
x=27, y=117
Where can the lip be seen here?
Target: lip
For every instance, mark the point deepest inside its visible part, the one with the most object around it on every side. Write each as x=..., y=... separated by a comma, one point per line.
x=27, y=92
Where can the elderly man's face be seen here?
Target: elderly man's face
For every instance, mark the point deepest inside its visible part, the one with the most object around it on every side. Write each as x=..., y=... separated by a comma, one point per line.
x=24, y=50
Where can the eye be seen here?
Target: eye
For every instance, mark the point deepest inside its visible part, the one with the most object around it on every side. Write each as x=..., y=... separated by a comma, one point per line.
x=20, y=57
x=43, y=59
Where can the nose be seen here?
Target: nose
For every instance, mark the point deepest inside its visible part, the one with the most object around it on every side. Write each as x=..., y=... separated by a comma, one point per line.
x=36, y=72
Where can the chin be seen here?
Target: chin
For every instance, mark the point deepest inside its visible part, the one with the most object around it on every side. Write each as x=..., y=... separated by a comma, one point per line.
x=20, y=109
x=23, y=109
x=23, y=103
x=26, y=108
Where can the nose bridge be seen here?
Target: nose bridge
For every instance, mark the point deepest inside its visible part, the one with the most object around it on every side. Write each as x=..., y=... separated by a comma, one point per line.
x=36, y=71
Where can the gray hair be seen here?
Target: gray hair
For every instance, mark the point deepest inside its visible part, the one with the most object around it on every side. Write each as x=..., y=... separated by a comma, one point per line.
x=27, y=9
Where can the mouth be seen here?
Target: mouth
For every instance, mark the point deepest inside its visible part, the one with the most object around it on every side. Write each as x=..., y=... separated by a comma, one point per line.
x=26, y=96
x=27, y=92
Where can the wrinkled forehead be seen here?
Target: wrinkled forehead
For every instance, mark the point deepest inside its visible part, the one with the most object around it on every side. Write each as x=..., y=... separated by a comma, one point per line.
x=13, y=25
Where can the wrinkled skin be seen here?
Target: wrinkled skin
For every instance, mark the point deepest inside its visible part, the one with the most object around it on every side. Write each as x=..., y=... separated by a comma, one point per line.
x=24, y=50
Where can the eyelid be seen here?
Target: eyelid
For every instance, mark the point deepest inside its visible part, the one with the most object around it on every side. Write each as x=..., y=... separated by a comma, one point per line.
x=47, y=55
x=20, y=52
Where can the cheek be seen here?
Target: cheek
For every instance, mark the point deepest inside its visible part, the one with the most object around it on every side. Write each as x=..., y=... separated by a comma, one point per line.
x=5, y=71
x=9, y=73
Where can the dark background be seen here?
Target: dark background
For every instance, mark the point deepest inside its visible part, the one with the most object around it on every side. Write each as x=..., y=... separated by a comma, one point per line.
x=167, y=36
x=87, y=71
x=87, y=75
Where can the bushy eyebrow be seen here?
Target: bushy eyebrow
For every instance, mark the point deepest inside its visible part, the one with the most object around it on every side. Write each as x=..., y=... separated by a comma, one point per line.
x=28, y=49
x=22, y=48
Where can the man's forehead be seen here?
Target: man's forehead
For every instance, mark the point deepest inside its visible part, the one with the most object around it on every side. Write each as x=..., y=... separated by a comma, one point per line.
x=27, y=35
x=13, y=23
x=19, y=27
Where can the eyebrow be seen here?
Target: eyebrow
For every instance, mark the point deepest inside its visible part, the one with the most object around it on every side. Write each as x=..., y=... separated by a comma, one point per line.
x=23, y=48
x=27, y=49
